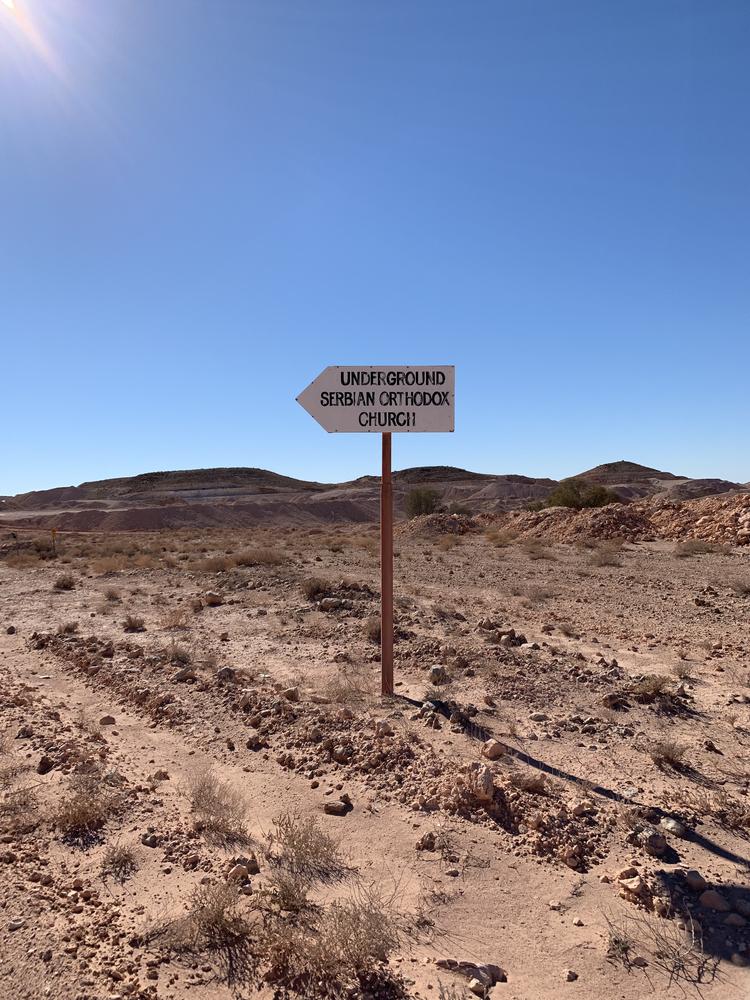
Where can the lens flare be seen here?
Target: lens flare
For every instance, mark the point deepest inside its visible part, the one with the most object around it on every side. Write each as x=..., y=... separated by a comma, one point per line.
x=9, y=4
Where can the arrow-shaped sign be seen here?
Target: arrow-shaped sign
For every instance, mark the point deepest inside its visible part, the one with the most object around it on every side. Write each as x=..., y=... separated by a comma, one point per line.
x=372, y=399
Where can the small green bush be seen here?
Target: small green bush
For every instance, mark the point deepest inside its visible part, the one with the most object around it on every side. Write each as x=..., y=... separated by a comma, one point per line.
x=578, y=495
x=421, y=500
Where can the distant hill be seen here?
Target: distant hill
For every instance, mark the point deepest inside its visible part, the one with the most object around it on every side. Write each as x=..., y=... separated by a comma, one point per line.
x=242, y=497
x=614, y=473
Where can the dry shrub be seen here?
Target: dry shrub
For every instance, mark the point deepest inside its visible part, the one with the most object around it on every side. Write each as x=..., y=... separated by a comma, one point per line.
x=175, y=653
x=674, y=947
x=119, y=863
x=372, y=628
x=112, y=595
x=349, y=687
x=221, y=811
x=447, y=542
x=133, y=623
x=607, y=553
x=739, y=584
x=22, y=560
x=65, y=582
x=69, y=628
x=84, y=808
x=682, y=671
x=260, y=557
x=667, y=751
x=650, y=687
x=216, y=926
x=303, y=850
x=216, y=564
x=729, y=812
x=19, y=807
x=501, y=537
x=536, y=549
x=694, y=547
x=109, y=565
x=316, y=588
x=533, y=594
x=176, y=619
x=336, y=954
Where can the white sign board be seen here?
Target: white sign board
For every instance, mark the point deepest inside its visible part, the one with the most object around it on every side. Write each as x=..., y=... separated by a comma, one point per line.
x=377, y=400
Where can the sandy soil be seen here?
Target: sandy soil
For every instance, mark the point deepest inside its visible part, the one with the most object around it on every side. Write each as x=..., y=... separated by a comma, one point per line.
x=614, y=680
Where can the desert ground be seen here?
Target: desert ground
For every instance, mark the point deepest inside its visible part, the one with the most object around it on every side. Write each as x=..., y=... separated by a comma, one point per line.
x=204, y=795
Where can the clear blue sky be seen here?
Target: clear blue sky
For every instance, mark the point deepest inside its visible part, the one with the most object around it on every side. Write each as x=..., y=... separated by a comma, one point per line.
x=204, y=202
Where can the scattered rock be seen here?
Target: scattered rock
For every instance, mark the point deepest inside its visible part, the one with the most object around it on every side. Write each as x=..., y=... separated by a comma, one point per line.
x=226, y=675
x=570, y=976
x=107, y=720
x=712, y=899
x=695, y=880
x=493, y=749
x=45, y=765
x=673, y=826
x=291, y=694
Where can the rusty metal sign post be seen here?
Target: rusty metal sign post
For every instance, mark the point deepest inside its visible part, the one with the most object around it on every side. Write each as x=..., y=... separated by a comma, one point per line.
x=383, y=400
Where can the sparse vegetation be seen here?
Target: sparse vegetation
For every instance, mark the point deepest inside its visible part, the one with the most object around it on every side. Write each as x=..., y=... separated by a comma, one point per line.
x=220, y=810
x=66, y=581
x=577, y=494
x=316, y=588
x=119, y=862
x=84, y=808
x=667, y=752
x=133, y=623
x=421, y=500
x=693, y=547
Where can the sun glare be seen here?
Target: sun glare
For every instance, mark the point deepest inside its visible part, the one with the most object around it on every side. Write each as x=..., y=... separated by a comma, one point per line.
x=9, y=4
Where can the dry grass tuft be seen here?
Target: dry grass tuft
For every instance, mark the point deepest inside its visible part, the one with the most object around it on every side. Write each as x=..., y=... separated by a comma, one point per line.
x=316, y=588
x=119, y=863
x=84, y=808
x=65, y=582
x=260, y=557
x=221, y=811
x=667, y=752
x=133, y=623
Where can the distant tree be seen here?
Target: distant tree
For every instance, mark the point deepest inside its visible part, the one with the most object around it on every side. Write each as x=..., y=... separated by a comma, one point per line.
x=579, y=495
x=421, y=500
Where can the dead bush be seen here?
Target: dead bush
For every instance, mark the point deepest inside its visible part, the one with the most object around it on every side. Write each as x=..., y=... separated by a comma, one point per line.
x=340, y=951
x=119, y=863
x=303, y=848
x=65, y=582
x=216, y=564
x=729, y=812
x=349, y=686
x=372, y=628
x=650, y=687
x=607, y=553
x=315, y=588
x=133, y=623
x=221, y=811
x=84, y=808
x=260, y=557
x=112, y=595
x=693, y=547
x=69, y=628
x=215, y=926
x=175, y=620
x=501, y=537
x=667, y=752
x=536, y=549
x=739, y=584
